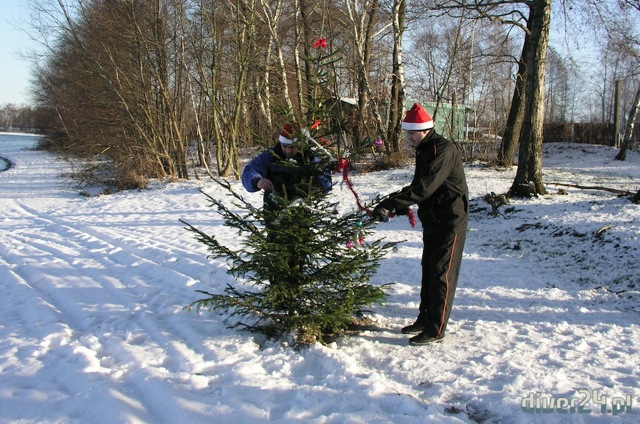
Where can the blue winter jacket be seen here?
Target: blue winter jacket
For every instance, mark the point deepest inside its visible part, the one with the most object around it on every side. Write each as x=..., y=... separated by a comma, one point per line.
x=285, y=172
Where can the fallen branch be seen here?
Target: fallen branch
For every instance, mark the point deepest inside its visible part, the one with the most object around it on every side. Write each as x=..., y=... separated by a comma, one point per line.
x=523, y=227
x=600, y=232
x=611, y=190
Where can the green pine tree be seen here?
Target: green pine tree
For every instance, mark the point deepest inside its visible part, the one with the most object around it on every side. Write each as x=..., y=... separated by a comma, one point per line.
x=296, y=275
x=304, y=281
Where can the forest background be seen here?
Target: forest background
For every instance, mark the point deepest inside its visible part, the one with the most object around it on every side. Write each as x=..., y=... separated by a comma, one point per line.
x=160, y=89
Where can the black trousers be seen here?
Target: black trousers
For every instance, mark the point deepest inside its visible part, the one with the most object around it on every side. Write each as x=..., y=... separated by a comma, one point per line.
x=441, y=260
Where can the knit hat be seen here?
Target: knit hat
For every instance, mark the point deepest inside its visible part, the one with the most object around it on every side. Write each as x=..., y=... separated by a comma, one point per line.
x=286, y=135
x=417, y=119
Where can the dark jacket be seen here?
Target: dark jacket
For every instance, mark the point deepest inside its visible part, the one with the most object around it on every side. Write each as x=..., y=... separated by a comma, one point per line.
x=285, y=173
x=439, y=187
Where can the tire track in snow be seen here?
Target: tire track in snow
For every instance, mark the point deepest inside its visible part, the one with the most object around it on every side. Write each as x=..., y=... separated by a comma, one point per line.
x=108, y=318
x=46, y=362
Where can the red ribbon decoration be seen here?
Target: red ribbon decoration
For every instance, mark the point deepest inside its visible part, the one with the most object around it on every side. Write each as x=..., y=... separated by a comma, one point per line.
x=343, y=165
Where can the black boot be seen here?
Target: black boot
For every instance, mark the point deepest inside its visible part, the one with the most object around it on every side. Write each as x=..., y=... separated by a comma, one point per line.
x=424, y=339
x=415, y=328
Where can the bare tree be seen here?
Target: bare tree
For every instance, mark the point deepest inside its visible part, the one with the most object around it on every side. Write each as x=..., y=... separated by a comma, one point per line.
x=170, y=83
x=616, y=34
x=528, y=179
x=628, y=137
x=397, y=96
x=533, y=17
x=118, y=65
x=459, y=59
x=489, y=86
x=244, y=13
x=361, y=16
x=511, y=135
x=557, y=88
x=272, y=16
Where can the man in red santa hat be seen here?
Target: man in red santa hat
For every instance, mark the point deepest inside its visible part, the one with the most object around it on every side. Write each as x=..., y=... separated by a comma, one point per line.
x=439, y=188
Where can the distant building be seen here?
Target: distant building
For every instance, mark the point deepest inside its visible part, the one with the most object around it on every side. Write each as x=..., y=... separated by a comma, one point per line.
x=449, y=123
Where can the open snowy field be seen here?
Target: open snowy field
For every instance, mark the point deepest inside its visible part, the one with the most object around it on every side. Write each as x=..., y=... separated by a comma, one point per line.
x=92, y=326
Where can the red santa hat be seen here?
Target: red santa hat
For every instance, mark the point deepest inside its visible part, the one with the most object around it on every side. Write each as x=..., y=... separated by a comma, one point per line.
x=286, y=135
x=417, y=119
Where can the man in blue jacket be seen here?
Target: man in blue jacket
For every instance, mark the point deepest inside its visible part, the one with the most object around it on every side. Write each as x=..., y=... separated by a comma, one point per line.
x=439, y=188
x=280, y=169
x=284, y=172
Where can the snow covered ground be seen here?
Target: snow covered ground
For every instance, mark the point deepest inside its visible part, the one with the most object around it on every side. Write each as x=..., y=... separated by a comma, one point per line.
x=92, y=326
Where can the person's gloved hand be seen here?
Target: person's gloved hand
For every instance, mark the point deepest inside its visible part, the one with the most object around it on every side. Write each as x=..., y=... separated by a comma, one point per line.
x=381, y=213
x=265, y=184
x=403, y=211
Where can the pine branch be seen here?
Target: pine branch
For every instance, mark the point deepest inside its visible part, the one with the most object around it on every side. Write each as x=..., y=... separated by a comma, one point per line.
x=217, y=249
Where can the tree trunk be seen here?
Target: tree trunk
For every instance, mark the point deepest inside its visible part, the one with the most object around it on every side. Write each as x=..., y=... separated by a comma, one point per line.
x=528, y=180
x=511, y=136
x=272, y=18
x=227, y=153
x=398, y=95
x=306, y=35
x=299, y=39
x=368, y=42
x=628, y=134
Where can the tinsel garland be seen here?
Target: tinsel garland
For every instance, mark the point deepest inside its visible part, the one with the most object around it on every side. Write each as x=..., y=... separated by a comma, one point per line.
x=343, y=166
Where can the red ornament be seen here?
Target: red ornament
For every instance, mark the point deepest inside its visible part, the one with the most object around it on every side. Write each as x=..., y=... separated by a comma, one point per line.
x=412, y=218
x=342, y=165
x=321, y=42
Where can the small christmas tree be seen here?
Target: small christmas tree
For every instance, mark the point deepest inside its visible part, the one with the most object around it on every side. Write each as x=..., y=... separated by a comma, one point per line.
x=309, y=272
x=307, y=267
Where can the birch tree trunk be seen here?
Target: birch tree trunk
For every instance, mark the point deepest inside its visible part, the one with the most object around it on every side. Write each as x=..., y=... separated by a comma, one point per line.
x=227, y=153
x=272, y=17
x=628, y=134
x=398, y=83
x=362, y=14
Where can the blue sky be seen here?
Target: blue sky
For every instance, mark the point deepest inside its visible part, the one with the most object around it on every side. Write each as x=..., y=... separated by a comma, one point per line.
x=15, y=72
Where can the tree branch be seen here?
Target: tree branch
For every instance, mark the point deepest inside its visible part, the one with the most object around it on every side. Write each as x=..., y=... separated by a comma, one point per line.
x=611, y=190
